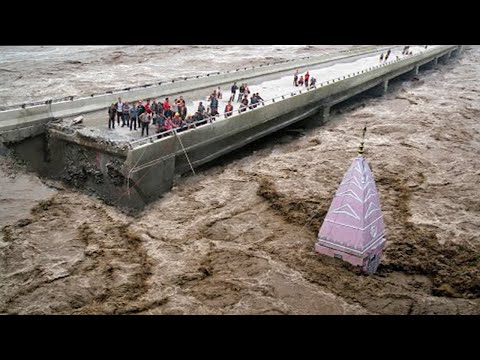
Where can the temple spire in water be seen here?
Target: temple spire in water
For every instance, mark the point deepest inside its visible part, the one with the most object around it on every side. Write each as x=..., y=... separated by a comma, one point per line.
x=353, y=229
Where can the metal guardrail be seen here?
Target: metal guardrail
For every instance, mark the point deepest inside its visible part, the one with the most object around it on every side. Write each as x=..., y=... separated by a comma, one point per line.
x=158, y=83
x=221, y=117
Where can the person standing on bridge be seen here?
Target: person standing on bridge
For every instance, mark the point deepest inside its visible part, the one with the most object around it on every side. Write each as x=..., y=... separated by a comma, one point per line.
x=119, y=107
x=300, y=81
x=161, y=119
x=140, y=111
x=201, y=108
x=240, y=94
x=154, y=106
x=244, y=104
x=295, y=78
x=228, y=109
x=214, y=106
x=234, y=91
x=259, y=98
x=166, y=105
x=183, y=111
x=381, y=57
x=175, y=106
x=219, y=93
x=181, y=101
x=148, y=109
x=133, y=116
x=253, y=101
x=307, y=77
x=126, y=114
x=112, y=111
x=246, y=91
x=159, y=107
x=145, y=119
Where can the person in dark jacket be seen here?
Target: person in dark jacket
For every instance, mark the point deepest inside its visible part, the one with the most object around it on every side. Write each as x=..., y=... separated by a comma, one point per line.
x=183, y=111
x=168, y=113
x=112, y=111
x=214, y=106
x=234, y=91
x=126, y=114
x=154, y=106
x=244, y=104
x=242, y=90
x=253, y=101
x=133, y=117
x=140, y=111
x=159, y=107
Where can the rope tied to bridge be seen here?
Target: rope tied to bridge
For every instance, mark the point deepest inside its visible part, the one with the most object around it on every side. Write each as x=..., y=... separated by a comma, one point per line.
x=184, y=151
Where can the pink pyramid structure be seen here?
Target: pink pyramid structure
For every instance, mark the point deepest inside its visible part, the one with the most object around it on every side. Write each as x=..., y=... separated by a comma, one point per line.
x=353, y=229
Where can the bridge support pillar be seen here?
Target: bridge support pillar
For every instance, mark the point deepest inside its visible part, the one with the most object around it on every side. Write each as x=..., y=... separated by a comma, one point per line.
x=3, y=150
x=324, y=114
x=416, y=70
x=435, y=62
x=381, y=89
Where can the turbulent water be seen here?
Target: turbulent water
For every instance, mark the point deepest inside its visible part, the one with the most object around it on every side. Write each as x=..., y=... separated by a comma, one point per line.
x=238, y=237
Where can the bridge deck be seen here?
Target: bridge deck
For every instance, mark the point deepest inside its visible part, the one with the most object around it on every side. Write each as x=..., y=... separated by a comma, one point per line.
x=268, y=88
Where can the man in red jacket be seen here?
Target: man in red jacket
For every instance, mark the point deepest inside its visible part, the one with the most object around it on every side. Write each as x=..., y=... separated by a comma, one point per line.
x=166, y=105
x=307, y=76
x=228, y=109
x=147, y=107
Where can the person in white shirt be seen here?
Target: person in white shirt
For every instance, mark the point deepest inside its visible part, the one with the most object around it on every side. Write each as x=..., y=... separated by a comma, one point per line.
x=119, y=107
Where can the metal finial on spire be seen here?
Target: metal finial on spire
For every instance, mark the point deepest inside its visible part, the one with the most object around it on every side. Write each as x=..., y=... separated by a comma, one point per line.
x=361, y=147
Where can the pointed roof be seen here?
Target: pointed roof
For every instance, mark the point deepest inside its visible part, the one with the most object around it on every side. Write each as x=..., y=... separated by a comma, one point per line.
x=354, y=222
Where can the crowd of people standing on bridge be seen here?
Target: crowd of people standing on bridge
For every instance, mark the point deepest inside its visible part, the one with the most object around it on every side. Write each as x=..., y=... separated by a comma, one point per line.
x=165, y=116
x=406, y=51
x=243, y=94
x=306, y=80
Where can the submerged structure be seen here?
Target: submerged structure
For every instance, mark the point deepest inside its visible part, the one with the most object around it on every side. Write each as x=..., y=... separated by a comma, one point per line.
x=353, y=229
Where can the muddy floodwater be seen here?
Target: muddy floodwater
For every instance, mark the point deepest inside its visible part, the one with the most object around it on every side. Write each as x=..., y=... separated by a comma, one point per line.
x=238, y=237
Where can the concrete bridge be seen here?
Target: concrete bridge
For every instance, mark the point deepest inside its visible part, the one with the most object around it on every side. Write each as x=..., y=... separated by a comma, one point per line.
x=18, y=122
x=134, y=174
